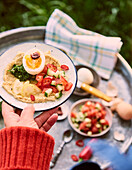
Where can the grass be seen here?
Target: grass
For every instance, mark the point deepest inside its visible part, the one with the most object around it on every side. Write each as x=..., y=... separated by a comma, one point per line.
x=110, y=18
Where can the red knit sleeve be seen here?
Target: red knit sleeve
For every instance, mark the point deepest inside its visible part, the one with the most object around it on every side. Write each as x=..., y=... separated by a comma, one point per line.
x=25, y=148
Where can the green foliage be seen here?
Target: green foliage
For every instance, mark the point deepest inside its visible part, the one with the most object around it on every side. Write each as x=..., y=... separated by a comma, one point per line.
x=19, y=72
x=110, y=18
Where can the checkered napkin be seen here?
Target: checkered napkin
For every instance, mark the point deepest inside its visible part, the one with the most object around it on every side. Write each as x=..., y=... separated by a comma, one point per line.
x=83, y=46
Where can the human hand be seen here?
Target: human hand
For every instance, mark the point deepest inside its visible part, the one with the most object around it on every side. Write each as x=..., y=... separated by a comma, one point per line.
x=25, y=117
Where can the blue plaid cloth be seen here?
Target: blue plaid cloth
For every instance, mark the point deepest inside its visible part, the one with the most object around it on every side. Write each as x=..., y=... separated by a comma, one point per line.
x=83, y=46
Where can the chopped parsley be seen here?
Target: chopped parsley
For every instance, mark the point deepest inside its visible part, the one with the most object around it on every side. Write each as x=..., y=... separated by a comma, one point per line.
x=19, y=72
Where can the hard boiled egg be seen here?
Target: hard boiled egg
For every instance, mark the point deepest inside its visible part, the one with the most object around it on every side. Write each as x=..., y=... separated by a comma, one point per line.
x=34, y=61
x=85, y=75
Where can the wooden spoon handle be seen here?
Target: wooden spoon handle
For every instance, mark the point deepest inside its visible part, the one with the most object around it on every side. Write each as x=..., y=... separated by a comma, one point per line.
x=95, y=92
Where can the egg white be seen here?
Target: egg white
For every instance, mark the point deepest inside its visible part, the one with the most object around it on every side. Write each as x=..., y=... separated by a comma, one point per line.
x=40, y=68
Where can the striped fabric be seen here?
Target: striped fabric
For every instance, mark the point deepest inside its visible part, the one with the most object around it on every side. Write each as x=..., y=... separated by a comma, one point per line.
x=83, y=46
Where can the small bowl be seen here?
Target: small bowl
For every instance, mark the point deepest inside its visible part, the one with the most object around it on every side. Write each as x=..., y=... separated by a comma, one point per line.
x=79, y=91
x=75, y=108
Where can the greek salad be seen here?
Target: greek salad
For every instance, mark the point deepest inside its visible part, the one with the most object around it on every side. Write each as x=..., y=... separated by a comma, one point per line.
x=90, y=118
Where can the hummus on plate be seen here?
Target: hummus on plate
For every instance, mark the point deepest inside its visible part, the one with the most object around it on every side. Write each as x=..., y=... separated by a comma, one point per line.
x=23, y=90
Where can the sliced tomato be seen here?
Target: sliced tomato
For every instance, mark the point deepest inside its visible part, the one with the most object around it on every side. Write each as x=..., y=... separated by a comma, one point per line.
x=39, y=84
x=52, y=67
x=94, y=129
x=73, y=114
x=74, y=158
x=106, y=122
x=94, y=121
x=80, y=143
x=83, y=127
x=88, y=103
x=45, y=69
x=63, y=81
x=84, y=109
x=32, y=97
x=68, y=86
x=57, y=81
x=103, y=112
x=46, y=82
x=98, y=115
x=64, y=67
x=54, y=89
x=39, y=77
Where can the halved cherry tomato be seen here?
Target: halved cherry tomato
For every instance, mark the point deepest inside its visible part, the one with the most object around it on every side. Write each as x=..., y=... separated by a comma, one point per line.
x=68, y=86
x=46, y=82
x=45, y=70
x=52, y=67
x=74, y=158
x=73, y=114
x=54, y=89
x=39, y=77
x=64, y=67
x=32, y=97
x=80, y=143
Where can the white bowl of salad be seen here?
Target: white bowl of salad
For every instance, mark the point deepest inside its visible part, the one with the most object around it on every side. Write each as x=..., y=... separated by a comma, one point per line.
x=90, y=118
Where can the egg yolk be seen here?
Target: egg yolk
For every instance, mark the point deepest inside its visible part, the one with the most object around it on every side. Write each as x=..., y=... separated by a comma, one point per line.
x=33, y=63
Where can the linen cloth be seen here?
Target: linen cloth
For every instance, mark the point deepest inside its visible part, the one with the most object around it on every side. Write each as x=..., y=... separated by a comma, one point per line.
x=110, y=153
x=83, y=46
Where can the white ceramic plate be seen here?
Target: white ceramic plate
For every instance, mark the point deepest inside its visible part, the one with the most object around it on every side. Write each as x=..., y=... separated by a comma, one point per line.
x=65, y=110
x=8, y=56
x=75, y=108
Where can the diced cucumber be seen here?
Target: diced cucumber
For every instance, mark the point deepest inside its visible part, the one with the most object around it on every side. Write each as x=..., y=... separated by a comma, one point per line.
x=61, y=73
x=88, y=120
x=98, y=125
x=76, y=125
x=89, y=133
x=97, y=106
x=60, y=87
x=80, y=108
x=58, y=95
x=53, y=83
x=48, y=92
x=50, y=72
x=56, y=75
x=73, y=119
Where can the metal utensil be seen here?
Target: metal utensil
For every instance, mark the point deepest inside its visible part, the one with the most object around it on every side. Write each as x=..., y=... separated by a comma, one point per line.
x=94, y=91
x=67, y=137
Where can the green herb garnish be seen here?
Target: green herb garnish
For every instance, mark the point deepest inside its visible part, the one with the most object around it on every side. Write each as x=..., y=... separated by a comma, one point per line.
x=19, y=72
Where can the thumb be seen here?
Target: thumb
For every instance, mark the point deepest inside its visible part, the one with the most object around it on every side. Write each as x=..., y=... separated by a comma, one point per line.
x=28, y=112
